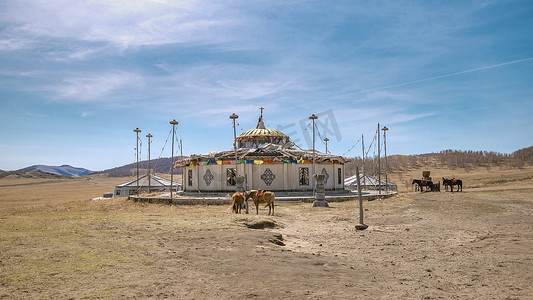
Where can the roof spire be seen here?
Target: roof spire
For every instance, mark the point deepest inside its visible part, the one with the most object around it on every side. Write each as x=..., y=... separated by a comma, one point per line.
x=260, y=124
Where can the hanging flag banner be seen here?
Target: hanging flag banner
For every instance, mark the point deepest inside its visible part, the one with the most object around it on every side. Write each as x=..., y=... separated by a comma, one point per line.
x=264, y=160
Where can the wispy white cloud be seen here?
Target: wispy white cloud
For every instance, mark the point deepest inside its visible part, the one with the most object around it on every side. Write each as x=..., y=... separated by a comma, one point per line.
x=80, y=52
x=446, y=75
x=240, y=89
x=12, y=44
x=102, y=87
x=124, y=23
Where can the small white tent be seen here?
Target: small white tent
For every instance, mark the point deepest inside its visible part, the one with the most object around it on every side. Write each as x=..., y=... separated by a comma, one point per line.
x=369, y=183
x=157, y=184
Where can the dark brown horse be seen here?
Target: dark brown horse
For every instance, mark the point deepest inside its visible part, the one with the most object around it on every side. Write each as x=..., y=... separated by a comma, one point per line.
x=451, y=182
x=428, y=184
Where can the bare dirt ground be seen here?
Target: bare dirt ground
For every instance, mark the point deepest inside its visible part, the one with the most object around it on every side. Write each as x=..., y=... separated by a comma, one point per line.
x=55, y=244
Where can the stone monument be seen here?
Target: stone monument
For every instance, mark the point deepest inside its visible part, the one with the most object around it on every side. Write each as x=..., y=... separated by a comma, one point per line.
x=320, y=193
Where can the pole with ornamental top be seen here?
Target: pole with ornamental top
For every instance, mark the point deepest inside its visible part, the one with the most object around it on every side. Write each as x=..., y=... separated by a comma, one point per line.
x=234, y=117
x=239, y=180
x=319, y=188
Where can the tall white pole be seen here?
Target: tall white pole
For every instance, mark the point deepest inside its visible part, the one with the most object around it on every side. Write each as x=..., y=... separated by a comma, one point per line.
x=386, y=165
x=174, y=123
x=149, y=175
x=363, y=163
x=361, y=225
x=137, y=130
x=182, y=169
x=234, y=117
x=379, y=163
x=237, y=185
x=313, y=117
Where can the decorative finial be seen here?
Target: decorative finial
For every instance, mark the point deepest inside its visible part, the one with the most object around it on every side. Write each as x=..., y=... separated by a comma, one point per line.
x=260, y=123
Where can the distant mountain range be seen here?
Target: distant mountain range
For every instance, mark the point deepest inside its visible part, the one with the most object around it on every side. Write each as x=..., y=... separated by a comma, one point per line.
x=31, y=173
x=160, y=165
x=64, y=170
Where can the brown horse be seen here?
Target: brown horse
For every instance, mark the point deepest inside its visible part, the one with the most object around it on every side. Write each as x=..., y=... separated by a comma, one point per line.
x=237, y=200
x=262, y=197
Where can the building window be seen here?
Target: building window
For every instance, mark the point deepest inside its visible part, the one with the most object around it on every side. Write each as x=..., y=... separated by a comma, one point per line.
x=230, y=176
x=339, y=176
x=303, y=175
x=189, y=177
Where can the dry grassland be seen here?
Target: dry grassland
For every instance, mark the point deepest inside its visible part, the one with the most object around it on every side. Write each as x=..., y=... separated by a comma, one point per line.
x=56, y=244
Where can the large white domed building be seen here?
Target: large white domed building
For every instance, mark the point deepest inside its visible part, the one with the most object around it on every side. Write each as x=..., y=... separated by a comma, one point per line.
x=267, y=160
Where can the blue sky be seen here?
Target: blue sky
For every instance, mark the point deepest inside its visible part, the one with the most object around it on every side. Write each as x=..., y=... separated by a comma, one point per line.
x=76, y=77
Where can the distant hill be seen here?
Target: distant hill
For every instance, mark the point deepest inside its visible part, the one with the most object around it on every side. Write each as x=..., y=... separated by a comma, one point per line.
x=160, y=165
x=30, y=173
x=451, y=159
x=64, y=170
x=525, y=155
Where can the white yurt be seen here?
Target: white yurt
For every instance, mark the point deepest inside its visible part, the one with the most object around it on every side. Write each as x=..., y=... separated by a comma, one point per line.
x=147, y=182
x=368, y=183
